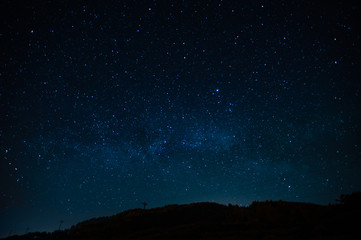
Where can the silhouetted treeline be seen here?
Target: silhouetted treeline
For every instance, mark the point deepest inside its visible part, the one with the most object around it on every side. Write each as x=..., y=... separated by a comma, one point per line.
x=261, y=220
x=351, y=200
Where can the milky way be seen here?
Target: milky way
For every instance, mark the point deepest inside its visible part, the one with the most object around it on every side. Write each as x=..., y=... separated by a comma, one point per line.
x=107, y=105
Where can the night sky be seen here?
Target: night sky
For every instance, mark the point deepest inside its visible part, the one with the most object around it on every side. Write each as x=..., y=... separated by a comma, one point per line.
x=107, y=105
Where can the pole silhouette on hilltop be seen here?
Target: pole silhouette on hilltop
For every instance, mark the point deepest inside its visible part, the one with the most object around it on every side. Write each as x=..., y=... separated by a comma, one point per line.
x=61, y=222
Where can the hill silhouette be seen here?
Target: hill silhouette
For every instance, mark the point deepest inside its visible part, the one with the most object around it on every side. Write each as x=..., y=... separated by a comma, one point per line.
x=260, y=220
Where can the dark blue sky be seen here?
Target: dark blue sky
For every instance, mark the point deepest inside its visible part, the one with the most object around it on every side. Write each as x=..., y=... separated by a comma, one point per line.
x=105, y=105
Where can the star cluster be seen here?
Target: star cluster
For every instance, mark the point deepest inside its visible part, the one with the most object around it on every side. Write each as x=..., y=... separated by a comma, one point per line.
x=105, y=105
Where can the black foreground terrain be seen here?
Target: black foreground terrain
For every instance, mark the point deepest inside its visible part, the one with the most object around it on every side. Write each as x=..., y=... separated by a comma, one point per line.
x=261, y=220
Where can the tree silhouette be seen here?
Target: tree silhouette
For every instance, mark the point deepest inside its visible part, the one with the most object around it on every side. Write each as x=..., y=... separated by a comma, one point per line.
x=144, y=204
x=61, y=222
x=352, y=199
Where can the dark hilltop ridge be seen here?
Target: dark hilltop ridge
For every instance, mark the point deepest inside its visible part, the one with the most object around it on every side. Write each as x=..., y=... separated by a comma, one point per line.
x=260, y=220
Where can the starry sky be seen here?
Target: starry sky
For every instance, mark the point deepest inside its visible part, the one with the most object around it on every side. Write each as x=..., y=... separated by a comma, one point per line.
x=107, y=104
